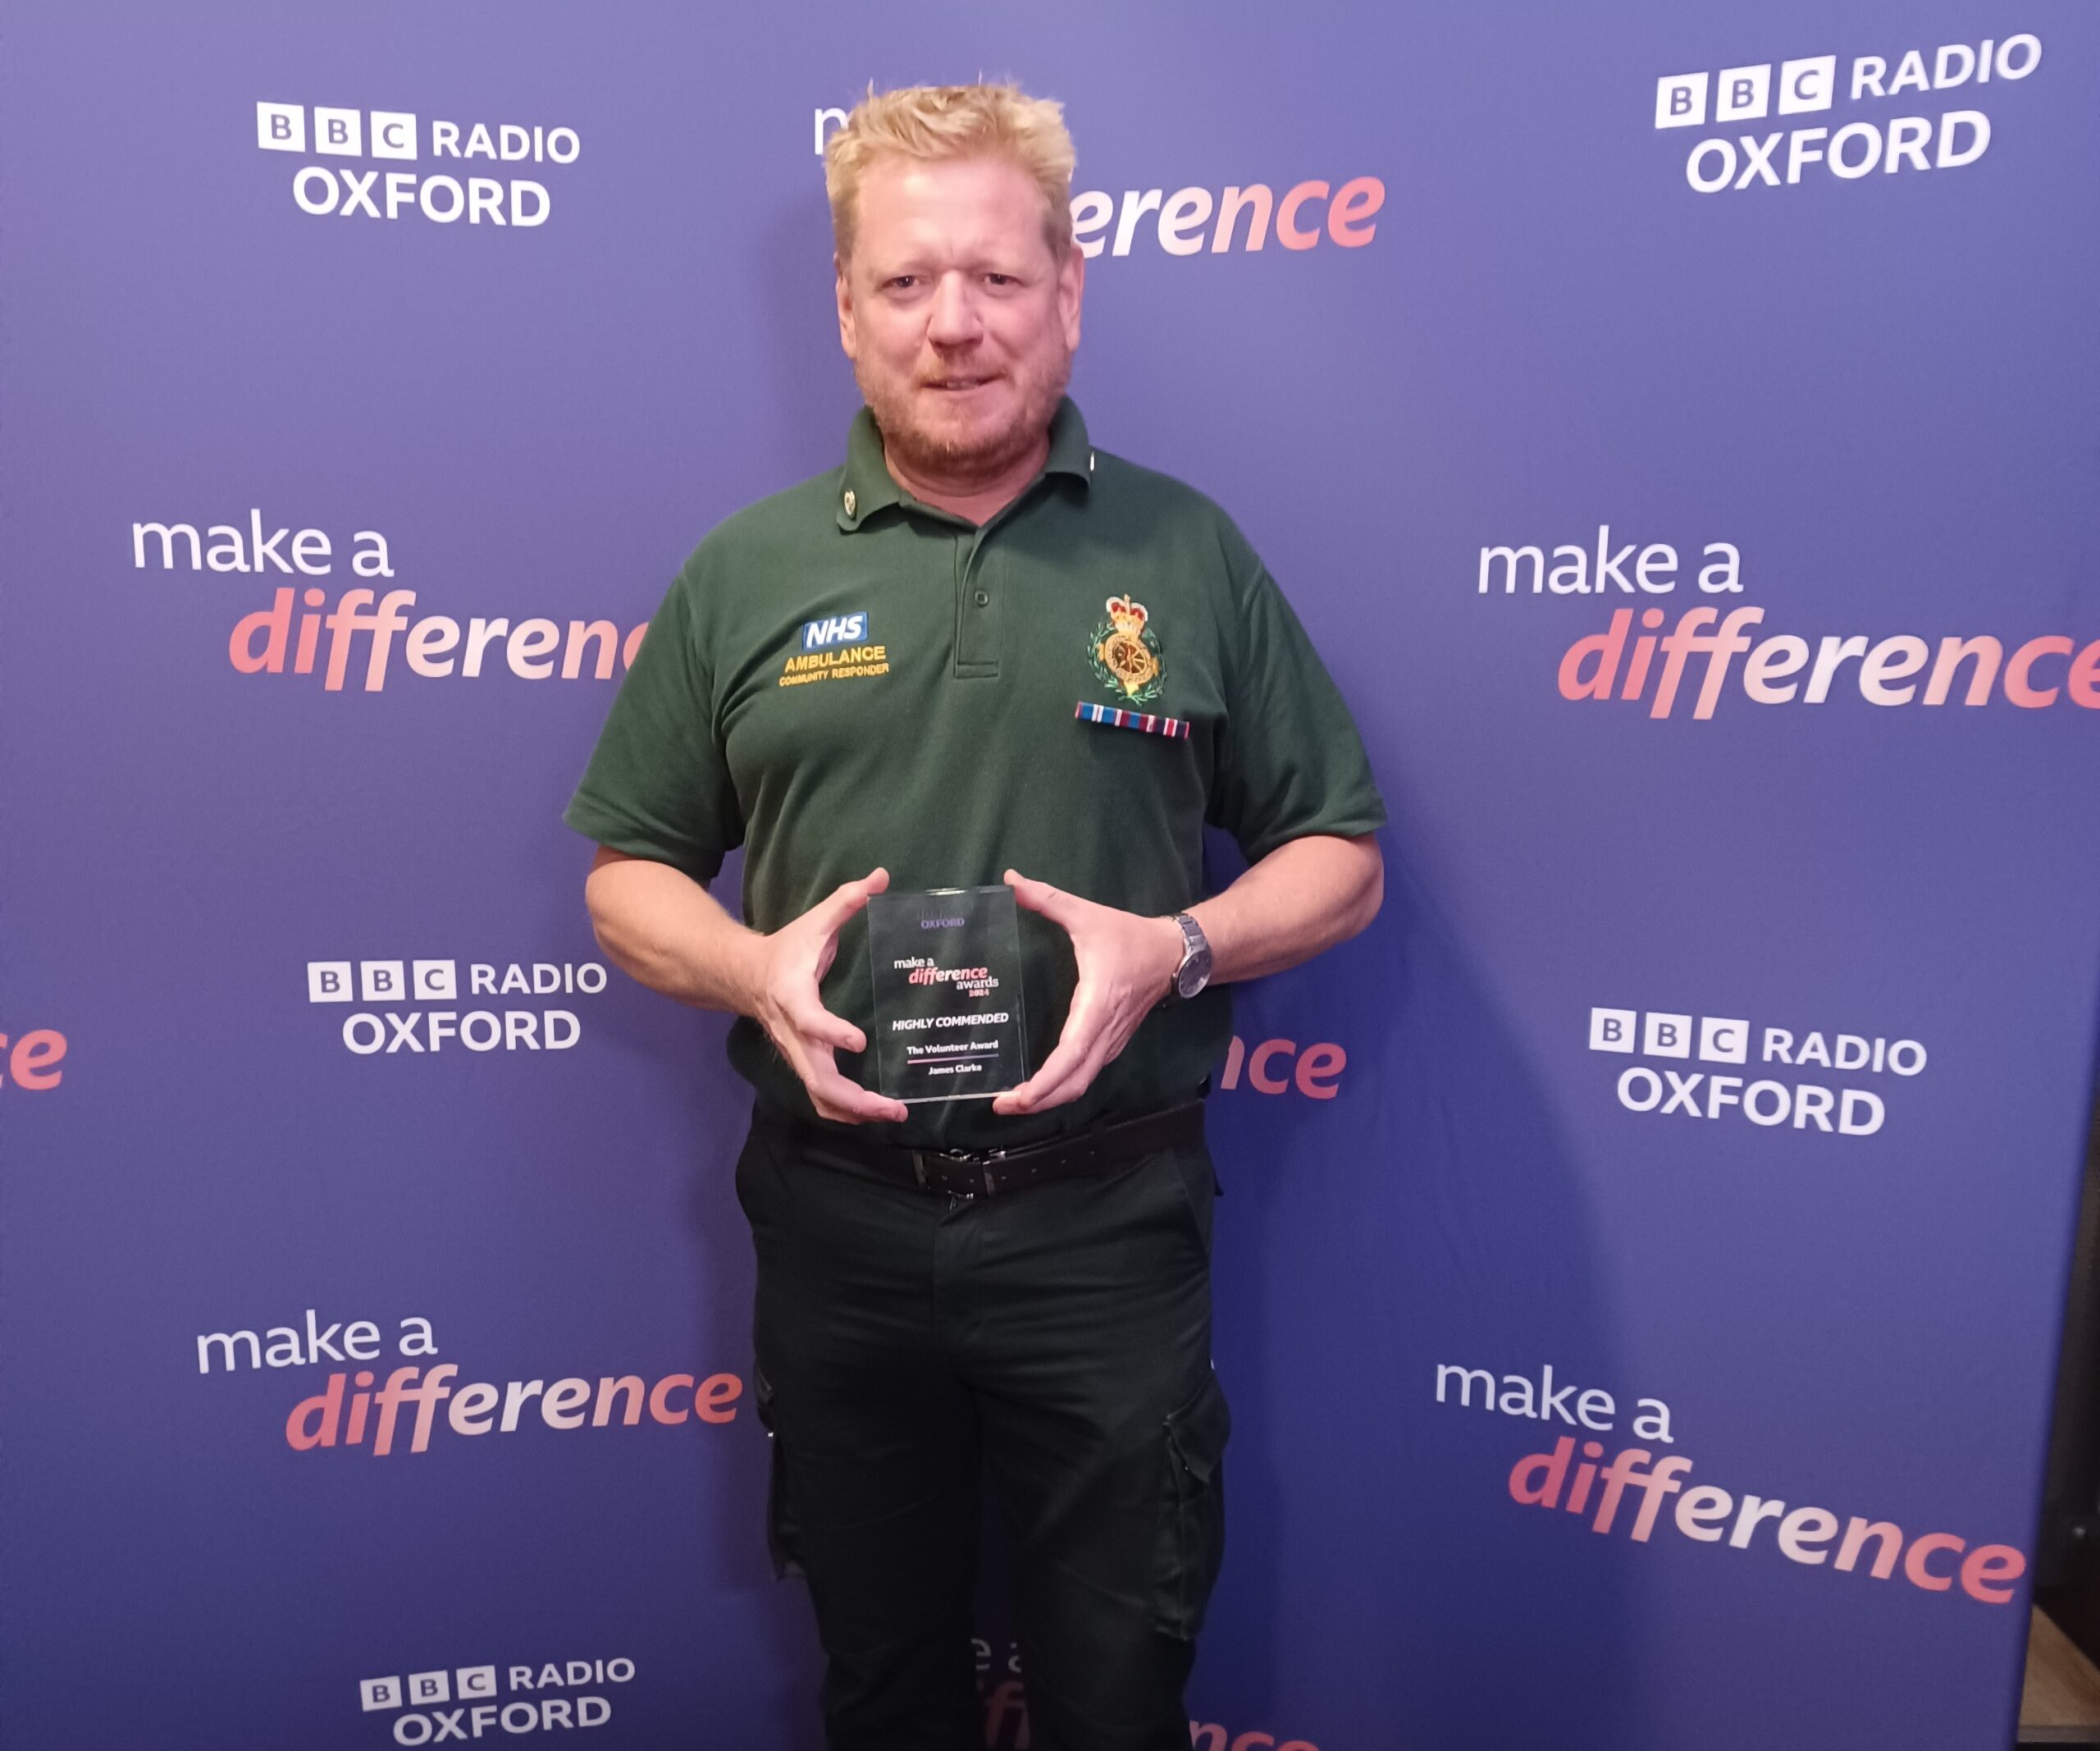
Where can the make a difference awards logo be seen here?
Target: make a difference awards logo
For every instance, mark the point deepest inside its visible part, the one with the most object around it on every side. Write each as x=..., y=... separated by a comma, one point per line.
x=302, y=617
x=1718, y=656
x=374, y=1405
x=1643, y=1493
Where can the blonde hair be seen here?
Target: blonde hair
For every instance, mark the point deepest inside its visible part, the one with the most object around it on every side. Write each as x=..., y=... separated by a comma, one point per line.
x=935, y=122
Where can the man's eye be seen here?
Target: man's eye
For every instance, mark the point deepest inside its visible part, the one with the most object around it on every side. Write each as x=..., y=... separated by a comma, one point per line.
x=1002, y=279
x=904, y=282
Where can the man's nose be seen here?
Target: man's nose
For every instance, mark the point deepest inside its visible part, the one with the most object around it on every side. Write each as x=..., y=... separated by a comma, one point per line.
x=954, y=321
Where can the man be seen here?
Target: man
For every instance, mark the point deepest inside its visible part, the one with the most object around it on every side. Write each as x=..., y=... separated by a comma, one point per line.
x=1022, y=1285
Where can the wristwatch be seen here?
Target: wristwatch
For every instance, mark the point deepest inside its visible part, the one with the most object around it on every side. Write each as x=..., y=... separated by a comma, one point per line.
x=1195, y=971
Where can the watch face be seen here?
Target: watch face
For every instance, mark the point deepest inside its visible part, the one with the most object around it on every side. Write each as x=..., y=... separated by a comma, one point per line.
x=1195, y=971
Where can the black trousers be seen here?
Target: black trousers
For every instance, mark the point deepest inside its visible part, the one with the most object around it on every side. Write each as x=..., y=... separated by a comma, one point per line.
x=1055, y=1338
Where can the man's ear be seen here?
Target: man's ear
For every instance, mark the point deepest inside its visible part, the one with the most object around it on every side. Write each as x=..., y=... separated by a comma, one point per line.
x=849, y=340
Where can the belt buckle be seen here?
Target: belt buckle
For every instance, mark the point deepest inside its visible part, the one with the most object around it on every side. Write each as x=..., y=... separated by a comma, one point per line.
x=978, y=1162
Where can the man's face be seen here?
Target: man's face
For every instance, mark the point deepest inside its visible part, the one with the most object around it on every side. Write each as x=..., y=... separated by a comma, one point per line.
x=959, y=318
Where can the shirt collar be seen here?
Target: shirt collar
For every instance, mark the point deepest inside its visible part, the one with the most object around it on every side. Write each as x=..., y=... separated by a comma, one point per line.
x=867, y=485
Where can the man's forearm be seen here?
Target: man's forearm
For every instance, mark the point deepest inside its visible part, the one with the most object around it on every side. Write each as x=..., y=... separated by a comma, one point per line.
x=661, y=927
x=1305, y=896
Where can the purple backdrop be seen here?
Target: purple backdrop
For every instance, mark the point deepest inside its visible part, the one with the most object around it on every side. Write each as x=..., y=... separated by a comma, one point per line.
x=1750, y=283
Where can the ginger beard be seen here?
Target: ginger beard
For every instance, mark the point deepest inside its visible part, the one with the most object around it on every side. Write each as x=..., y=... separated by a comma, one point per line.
x=972, y=432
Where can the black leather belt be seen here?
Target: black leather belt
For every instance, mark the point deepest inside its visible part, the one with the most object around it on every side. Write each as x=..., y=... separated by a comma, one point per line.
x=979, y=1174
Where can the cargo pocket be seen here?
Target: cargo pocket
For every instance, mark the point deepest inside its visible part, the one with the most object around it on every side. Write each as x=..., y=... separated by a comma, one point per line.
x=1191, y=1538
x=783, y=1534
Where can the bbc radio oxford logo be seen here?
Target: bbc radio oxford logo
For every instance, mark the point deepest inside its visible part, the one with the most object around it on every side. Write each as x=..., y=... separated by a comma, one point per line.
x=1847, y=150
x=500, y=199
x=418, y=1006
x=417, y=1706
x=1789, y=1089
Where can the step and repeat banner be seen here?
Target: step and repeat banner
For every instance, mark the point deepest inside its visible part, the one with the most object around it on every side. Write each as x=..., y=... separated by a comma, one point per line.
x=1639, y=1274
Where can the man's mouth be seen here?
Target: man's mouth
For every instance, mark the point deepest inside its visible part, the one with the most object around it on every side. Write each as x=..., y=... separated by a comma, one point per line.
x=956, y=385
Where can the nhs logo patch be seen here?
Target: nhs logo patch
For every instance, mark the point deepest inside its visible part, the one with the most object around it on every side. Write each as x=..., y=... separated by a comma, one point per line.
x=837, y=629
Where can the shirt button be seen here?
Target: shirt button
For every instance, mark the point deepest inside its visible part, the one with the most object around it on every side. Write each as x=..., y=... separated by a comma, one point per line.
x=849, y=501
x=982, y=600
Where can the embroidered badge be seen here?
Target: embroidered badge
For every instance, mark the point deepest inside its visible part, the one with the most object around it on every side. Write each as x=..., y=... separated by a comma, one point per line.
x=839, y=629
x=838, y=648
x=1126, y=651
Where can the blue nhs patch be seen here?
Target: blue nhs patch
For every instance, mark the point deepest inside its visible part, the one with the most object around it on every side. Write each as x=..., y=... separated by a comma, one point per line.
x=837, y=629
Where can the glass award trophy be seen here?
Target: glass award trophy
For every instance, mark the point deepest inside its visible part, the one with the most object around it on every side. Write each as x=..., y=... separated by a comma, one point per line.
x=947, y=971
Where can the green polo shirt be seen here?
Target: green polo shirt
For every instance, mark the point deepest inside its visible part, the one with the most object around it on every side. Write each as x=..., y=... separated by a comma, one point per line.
x=841, y=677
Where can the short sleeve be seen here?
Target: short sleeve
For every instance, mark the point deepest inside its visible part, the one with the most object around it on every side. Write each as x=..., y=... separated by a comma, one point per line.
x=657, y=786
x=1291, y=762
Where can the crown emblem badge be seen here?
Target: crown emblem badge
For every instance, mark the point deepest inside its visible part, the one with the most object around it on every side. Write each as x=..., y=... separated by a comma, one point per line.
x=1125, y=653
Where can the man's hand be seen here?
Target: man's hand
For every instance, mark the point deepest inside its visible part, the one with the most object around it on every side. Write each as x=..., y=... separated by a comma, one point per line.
x=667, y=930
x=786, y=969
x=1125, y=966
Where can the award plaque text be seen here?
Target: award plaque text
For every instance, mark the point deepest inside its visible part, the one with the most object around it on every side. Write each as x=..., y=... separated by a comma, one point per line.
x=946, y=970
